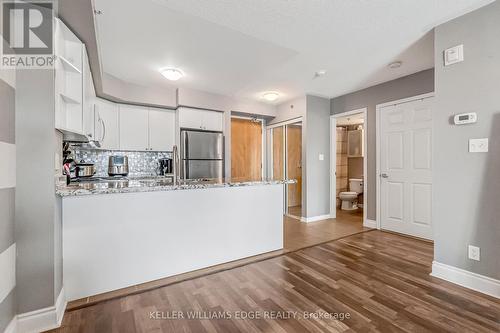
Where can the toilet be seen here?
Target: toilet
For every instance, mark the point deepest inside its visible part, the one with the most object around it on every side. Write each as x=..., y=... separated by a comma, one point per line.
x=350, y=199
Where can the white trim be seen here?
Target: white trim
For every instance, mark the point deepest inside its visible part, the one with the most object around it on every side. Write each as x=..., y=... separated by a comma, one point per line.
x=12, y=326
x=8, y=269
x=9, y=77
x=285, y=122
x=378, y=108
x=474, y=281
x=43, y=319
x=315, y=218
x=370, y=223
x=333, y=160
x=7, y=165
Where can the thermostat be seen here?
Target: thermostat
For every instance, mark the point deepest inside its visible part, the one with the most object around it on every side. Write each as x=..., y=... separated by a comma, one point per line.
x=465, y=118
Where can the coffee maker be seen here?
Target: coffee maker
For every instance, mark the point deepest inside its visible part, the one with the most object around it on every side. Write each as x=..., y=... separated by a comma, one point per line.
x=165, y=166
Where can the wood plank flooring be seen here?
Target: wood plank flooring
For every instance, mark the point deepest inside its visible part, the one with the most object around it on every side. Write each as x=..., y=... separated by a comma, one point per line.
x=374, y=281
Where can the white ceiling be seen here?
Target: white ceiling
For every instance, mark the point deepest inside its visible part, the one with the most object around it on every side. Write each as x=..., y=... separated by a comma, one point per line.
x=242, y=48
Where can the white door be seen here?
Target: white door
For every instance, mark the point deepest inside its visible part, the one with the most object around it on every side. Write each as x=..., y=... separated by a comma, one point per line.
x=406, y=168
x=133, y=128
x=212, y=121
x=190, y=118
x=106, y=124
x=161, y=129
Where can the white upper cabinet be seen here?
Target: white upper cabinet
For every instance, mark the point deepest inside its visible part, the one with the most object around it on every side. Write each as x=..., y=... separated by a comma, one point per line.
x=106, y=124
x=134, y=128
x=161, y=129
x=201, y=119
x=89, y=98
x=68, y=80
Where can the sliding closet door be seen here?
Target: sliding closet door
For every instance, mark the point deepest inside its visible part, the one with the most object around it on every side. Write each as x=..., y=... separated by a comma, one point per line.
x=294, y=168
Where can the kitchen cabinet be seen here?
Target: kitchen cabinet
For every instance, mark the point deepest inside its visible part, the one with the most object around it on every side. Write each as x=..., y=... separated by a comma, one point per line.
x=161, y=129
x=68, y=80
x=201, y=119
x=134, y=127
x=106, y=124
x=89, y=98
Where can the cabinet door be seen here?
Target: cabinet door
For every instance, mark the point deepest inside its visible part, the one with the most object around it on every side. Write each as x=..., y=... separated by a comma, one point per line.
x=190, y=118
x=161, y=129
x=212, y=121
x=133, y=128
x=88, y=99
x=106, y=124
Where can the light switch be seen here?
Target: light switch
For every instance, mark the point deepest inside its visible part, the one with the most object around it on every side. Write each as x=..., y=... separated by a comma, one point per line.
x=454, y=55
x=321, y=157
x=478, y=145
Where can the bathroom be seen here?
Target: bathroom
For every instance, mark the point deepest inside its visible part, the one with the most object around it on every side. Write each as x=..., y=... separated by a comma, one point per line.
x=350, y=166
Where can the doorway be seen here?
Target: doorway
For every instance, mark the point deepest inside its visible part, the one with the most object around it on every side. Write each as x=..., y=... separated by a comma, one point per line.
x=348, y=162
x=246, y=149
x=404, y=166
x=285, y=162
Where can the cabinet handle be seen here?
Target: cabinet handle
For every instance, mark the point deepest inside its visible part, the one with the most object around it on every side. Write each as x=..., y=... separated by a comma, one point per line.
x=103, y=130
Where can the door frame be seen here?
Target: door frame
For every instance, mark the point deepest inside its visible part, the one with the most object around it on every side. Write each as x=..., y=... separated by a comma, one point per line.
x=285, y=171
x=378, y=110
x=333, y=161
x=263, y=142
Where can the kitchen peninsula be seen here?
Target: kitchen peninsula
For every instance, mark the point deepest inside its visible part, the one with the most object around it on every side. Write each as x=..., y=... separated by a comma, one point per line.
x=129, y=231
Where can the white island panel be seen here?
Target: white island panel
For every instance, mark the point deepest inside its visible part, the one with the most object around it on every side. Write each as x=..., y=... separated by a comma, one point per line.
x=118, y=240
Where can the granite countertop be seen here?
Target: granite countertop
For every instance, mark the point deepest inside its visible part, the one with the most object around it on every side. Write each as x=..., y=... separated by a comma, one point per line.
x=149, y=184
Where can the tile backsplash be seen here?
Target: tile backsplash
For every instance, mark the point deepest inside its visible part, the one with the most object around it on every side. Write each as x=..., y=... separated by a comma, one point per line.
x=141, y=163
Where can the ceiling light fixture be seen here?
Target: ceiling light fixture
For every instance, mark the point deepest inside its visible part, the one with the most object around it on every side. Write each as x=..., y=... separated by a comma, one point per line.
x=395, y=64
x=172, y=74
x=271, y=96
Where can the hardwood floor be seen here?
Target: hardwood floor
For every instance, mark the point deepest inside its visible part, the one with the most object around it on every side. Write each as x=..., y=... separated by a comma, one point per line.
x=299, y=235
x=374, y=281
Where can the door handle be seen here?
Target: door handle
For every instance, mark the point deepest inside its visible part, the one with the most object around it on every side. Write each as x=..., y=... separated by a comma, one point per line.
x=384, y=175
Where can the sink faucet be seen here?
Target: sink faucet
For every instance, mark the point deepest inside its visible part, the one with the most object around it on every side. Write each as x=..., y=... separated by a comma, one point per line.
x=176, y=164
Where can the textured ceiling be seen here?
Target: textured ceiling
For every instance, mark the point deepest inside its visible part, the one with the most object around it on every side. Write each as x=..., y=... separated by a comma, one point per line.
x=242, y=48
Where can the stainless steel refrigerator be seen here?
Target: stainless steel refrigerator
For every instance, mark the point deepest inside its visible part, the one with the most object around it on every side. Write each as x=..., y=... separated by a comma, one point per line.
x=202, y=154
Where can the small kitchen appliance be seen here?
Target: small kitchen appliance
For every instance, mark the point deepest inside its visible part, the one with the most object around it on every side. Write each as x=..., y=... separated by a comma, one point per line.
x=118, y=165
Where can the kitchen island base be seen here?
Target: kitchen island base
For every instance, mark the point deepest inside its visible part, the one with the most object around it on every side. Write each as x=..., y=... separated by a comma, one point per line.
x=113, y=241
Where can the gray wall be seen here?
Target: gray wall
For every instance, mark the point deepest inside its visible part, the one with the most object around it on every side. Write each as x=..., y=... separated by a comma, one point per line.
x=37, y=227
x=7, y=193
x=408, y=86
x=467, y=186
x=317, y=142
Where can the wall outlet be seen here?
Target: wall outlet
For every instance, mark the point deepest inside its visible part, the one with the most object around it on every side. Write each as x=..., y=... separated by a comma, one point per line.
x=478, y=145
x=321, y=157
x=474, y=253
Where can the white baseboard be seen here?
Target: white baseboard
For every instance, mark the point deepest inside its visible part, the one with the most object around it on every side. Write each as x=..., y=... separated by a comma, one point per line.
x=42, y=319
x=370, y=224
x=12, y=327
x=315, y=218
x=477, y=282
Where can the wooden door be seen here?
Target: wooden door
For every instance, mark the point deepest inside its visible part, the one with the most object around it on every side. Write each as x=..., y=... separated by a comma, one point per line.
x=246, y=150
x=278, y=153
x=294, y=164
x=406, y=168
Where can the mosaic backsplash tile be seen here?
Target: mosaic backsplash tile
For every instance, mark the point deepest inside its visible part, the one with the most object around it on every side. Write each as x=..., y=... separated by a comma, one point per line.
x=141, y=163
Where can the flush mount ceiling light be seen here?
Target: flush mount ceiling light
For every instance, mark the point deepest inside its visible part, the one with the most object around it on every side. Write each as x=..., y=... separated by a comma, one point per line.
x=172, y=74
x=395, y=64
x=271, y=96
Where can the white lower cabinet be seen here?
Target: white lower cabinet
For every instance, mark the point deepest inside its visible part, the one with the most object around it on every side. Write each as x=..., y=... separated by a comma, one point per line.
x=161, y=129
x=106, y=124
x=134, y=128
